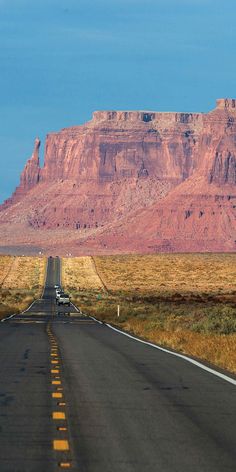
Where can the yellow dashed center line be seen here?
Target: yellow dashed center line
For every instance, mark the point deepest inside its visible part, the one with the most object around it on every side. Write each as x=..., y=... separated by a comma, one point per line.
x=58, y=415
x=57, y=395
x=60, y=445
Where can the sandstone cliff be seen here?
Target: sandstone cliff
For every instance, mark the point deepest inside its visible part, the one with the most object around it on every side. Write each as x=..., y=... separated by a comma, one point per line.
x=134, y=181
x=29, y=177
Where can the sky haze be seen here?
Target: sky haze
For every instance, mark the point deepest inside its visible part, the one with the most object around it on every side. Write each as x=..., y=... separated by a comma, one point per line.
x=61, y=60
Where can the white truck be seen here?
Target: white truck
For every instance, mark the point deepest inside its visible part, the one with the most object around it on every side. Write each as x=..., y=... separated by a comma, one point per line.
x=58, y=292
x=63, y=299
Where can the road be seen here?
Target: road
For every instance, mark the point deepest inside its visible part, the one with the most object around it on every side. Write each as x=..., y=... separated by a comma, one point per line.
x=75, y=394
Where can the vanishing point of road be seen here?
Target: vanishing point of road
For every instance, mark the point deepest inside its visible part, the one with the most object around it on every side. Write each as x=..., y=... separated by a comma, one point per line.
x=77, y=395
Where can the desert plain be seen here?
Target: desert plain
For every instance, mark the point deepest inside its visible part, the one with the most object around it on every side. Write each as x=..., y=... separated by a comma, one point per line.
x=182, y=301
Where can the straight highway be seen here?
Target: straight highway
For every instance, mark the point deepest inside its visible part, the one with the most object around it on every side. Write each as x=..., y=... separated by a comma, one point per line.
x=76, y=394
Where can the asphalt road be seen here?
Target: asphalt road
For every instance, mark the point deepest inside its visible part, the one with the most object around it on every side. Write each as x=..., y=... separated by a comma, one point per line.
x=75, y=394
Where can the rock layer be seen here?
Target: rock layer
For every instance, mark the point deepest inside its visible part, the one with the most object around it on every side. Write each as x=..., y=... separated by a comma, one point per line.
x=129, y=181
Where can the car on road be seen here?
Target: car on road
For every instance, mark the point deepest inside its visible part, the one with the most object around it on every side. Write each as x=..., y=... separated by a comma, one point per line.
x=58, y=292
x=57, y=286
x=63, y=299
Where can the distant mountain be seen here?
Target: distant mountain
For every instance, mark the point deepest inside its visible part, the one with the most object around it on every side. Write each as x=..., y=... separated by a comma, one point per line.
x=130, y=181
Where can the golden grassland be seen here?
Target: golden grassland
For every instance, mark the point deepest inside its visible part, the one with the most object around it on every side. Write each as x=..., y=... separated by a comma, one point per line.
x=21, y=282
x=183, y=301
x=218, y=349
x=183, y=273
x=79, y=273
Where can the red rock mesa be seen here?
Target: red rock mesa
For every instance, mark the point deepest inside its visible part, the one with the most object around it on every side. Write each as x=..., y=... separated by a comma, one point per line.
x=130, y=181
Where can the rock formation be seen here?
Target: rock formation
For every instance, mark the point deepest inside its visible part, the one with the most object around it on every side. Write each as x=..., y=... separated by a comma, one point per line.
x=30, y=175
x=129, y=181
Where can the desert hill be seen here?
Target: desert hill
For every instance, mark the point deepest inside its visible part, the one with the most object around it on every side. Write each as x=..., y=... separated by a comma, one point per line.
x=130, y=182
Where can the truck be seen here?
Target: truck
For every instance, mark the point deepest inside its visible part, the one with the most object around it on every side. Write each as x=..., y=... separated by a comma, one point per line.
x=58, y=292
x=63, y=299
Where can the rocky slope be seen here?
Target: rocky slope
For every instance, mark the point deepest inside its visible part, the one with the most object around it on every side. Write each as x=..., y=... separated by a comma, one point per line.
x=130, y=181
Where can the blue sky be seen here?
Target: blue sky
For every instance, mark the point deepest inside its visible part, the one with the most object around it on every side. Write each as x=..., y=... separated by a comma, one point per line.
x=61, y=60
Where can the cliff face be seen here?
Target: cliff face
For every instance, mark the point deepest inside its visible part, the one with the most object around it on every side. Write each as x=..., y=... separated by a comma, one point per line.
x=164, y=178
x=223, y=169
x=119, y=145
x=30, y=175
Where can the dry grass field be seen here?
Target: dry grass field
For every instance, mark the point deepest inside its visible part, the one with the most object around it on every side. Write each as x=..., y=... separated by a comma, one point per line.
x=163, y=273
x=184, y=301
x=79, y=274
x=21, y=281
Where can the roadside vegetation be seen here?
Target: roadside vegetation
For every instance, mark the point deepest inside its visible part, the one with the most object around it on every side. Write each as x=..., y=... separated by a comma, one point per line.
x=184, y=301
x=21, y=282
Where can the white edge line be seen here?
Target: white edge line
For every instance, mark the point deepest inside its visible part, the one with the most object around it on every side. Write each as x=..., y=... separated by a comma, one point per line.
x=43, y=290
x=60, y=270
x=78, y=311
x=22, y=312
x=97, y=321
x=181, y=356
x=45, y=280
x=27, y=309
x=8, y=317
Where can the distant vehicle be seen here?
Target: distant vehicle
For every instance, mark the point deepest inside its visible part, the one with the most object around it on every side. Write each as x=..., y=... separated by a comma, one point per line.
x=63, y=299
x=57, y=286
x=58, y=292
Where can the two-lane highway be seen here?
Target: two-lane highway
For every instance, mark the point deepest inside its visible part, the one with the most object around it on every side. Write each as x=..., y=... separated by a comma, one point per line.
x=76, y=394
